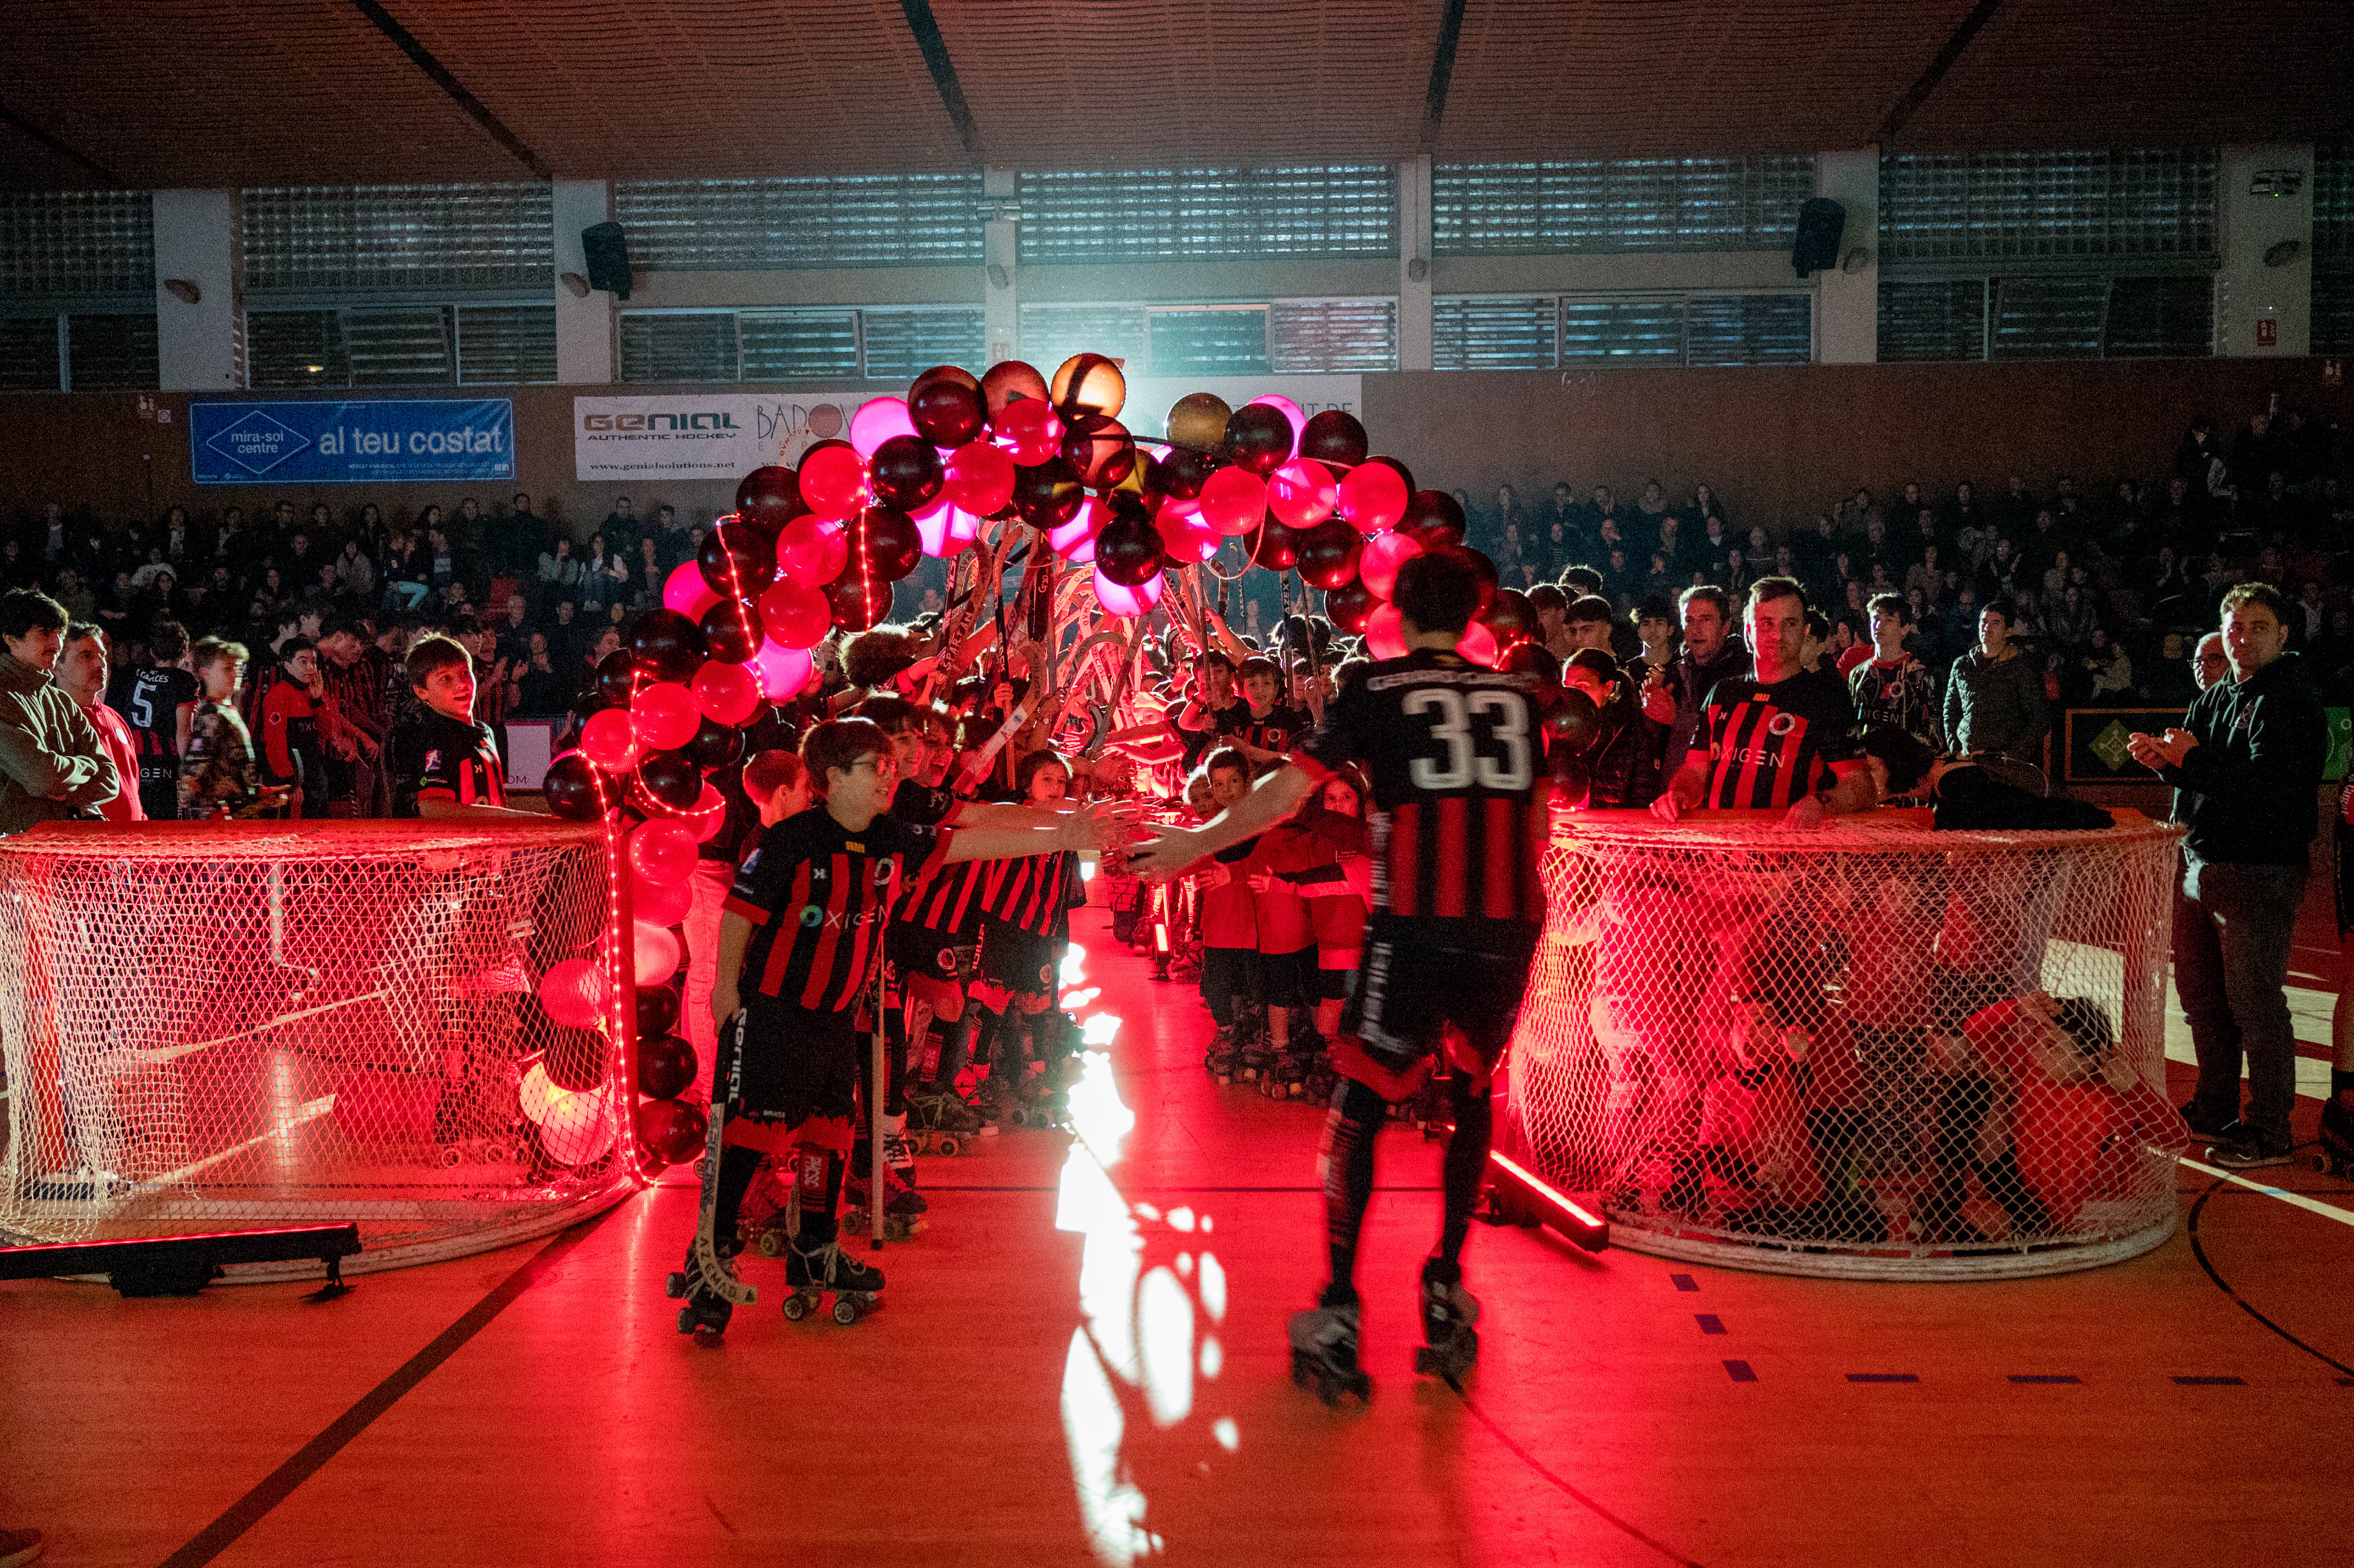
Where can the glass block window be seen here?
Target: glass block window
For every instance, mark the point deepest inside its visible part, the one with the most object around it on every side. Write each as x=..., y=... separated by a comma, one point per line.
x=345, y=238
x=745, y=226
x=406, y=347
x=1173, y=214
x=679, y=346
x=1624, y=332
x=1222, y=342
x=1938, y=320
x=506, y=343
x=1052, y=333
x=28, y=353
x=400, y=346
x=111, y=352
x=1332, y=335
x=1480, y=332
x=1547, y=332
x=799, y=346
x=59, y=244
x=1602, y=205
x=899, y=346
x=2159, y=318
x=1749, y=329
x=2001, y=205
x=2333, y=204
x=295, y=348
x=2048, y=318
x=891, y=345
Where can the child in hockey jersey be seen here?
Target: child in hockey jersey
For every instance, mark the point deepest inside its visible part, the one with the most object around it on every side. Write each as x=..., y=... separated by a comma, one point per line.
x=1229, y=921
x=220, y=777
x=1023, y=936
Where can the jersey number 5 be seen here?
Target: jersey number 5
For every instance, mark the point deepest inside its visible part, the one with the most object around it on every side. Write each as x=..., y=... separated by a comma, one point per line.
x=1466, y=763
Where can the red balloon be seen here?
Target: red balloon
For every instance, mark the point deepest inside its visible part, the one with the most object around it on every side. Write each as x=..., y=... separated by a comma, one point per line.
x=1349, y=606
x=1404, y=472
x=666, y=715
x=1385, y=635
x=1233, y=501
x=1433, y=517
x=858, y=601
x=1334, y=436
x=769, y=498
x=1328, y=554
x=980, y=477
x=906, y=473
x=1008, y=380
x=709, y=815
x=947, y=413
x=1372, y=497
x=1478, y=644
x=672, y=1131
x=796, y=615
x=1184, y=537
x=611, y=740
x=731, y=630
x=1383, y=554
x=662, y=852
x=1278, y=549
x=1258, y=438
x=813, y=549
x=833, y=479
x=573, y=992
x=1303, y=492
x=730, y=694
x=1029, y=430
x=885, y=538
x=686, y=591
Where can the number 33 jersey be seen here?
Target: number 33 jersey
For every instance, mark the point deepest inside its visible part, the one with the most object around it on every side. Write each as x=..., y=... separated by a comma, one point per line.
x=1458, y=761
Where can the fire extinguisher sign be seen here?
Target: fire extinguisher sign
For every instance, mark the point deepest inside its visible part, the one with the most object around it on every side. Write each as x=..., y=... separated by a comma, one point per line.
x=2267, y=331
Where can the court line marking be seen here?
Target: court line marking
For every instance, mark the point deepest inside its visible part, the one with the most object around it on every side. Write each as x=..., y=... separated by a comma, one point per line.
x=2295, y=1200
x=1580, y=1499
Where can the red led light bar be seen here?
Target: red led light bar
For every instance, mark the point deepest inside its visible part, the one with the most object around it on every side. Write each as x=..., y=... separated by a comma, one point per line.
x=1530, y=1197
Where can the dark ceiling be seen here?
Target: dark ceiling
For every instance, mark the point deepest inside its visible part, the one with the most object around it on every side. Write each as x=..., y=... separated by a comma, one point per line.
x=258, y=92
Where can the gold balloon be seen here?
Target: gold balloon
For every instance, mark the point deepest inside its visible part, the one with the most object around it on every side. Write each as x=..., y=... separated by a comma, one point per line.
x=1089, y=384
x=1198, y=420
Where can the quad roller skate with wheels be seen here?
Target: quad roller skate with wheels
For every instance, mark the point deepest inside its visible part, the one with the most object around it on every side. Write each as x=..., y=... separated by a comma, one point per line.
x=1255, y=1058
x=706, y=1312
x=943, y=1123
x=902, y=1206
x=707, y=1281
x=2336, y=1156
x=1221, y=1060
x=1324, y=1350
x=1451, y=1345
x=812, y=1272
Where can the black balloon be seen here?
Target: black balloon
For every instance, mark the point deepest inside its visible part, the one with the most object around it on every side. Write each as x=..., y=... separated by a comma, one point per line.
x=1480, y=565
x=1046, y=494
x=575, y=790
x=1278, y=546
x=737, y=561
x=1351, y=606
x=1098, y=448
x=905, y=472
x=731, y=630
x=673, y=779
x=858, y=601
x=1258, y=438
x=715, y=745
x=668, y=644
x=1128, y=551
x=1574, y=721
x=1432, y=518
x=1183, y=472
x=1510, y=617
x=1530, y=658
x=947, y=413
x=665, y=1065
x=885, y=540
x=657, y=1013
x=1328, y=553
x=617, y=677
x=770, y=498
x=1334, y=437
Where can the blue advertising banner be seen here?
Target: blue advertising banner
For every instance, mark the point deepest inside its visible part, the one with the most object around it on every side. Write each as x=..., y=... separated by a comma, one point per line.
x=351, y=443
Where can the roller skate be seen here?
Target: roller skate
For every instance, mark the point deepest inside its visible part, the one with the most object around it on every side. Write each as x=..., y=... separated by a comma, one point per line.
x=812, y=1272
x=1222, y=1059
x=1324, y=1349
x=2336, y=1156
x=1451, y=1345
x=943, y=1123
x=902, y=1206
x=1042, y=1104
x=706, y=1312
x=1287, y=1078
x=897, y=1153
x=1253, y=1056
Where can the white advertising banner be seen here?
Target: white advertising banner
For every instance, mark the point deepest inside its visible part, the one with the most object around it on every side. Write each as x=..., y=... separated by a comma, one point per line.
x=726, y=435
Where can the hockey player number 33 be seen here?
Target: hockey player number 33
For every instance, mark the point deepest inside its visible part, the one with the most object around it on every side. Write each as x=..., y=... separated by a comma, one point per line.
x=1466, y=762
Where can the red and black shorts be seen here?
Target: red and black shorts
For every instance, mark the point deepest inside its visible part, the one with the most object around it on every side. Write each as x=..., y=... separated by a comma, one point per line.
x=787, y=1066
x=1024, y=962
x=1411, y=984
x=920, y=953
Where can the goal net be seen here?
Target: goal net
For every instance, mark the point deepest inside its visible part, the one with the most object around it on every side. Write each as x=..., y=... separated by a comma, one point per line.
x=213, y=1026
x=1872, y=1050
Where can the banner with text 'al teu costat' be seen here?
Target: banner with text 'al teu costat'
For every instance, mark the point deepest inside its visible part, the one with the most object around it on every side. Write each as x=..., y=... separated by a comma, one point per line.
x=352, y=442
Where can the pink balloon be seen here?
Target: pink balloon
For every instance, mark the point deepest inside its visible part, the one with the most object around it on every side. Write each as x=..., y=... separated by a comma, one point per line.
x=1291, y=411
x=1372, y=497
x=795, y=614
x=1028, y=429
x=833, y=481
x=876, y=421
x=660, y=904
x=573, y=991
x=980, y=477
x=1075, y=540
x=1303, y=492
x=1377, y=568
x=611, y=740
x=1383, y=633
x=964, y=528
x=657, y=952
x=813, y=549
x=944, y=528
x=710, y=815
x=783, y=671
x=727, y=694
x=1127, y=601
x=1478, y=644
x=662, y=852
x=1233, y=502
x=686, y=591
x=666, y=716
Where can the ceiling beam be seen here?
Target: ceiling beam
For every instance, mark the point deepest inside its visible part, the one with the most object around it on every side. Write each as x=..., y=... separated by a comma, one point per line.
x=926, y=30
x=1926, y=83
x=447, y=80
x=31, y=131
x=1442, y=73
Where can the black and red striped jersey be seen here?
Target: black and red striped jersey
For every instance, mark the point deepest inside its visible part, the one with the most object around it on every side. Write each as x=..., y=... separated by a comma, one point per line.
x=461, y=761
x=1035, y=893
x=1459, y=765
x=818, y=896
x=1768, y=746
x=949, y=900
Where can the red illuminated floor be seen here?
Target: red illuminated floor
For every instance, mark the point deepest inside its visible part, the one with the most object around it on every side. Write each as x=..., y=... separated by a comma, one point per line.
x=1040, y=1395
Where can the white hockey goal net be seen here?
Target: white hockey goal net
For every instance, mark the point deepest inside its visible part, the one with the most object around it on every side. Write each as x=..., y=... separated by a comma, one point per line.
x=214, y=1027
x=1871, y=1050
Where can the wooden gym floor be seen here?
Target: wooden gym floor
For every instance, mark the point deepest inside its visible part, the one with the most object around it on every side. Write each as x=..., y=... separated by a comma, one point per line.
x=1083, y=1361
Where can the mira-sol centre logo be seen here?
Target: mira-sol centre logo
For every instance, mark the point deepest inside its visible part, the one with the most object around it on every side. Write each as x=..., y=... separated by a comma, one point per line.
x=258, y=443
